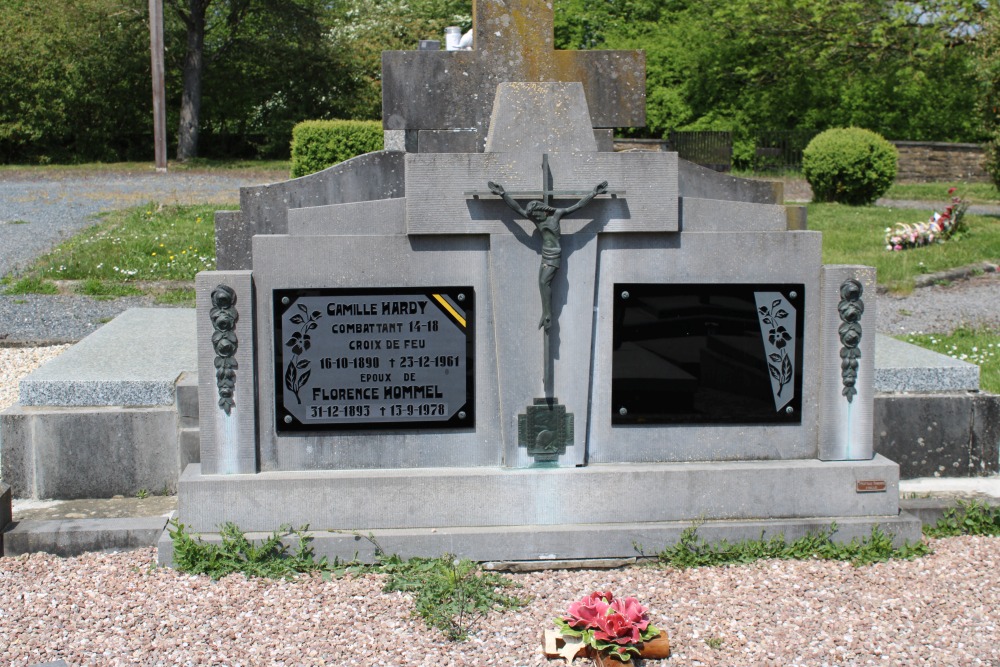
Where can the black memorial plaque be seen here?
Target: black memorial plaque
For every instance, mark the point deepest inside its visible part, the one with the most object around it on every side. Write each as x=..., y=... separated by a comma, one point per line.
x=707, y=353
x=392, y=358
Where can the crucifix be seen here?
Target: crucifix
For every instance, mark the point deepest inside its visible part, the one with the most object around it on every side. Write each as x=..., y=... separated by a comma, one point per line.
x=547, y=220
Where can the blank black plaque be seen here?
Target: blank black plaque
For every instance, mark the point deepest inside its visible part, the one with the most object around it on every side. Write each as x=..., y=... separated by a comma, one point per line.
x=707, y=353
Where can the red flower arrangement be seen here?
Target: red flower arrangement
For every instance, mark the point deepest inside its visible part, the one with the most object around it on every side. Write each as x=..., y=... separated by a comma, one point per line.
x=615, y=626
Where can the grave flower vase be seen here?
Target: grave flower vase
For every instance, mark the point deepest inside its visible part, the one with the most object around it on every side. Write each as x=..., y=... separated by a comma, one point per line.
x=657, y=648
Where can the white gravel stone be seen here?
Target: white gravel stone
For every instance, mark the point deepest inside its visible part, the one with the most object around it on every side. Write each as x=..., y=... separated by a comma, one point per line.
x=120, y=609
x=16, y=362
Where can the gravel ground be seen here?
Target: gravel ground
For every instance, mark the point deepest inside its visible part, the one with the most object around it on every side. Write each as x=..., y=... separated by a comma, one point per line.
x=16, y=362
x=42, y=319
x=974, y=302
x=120, y=609
x=36, y=212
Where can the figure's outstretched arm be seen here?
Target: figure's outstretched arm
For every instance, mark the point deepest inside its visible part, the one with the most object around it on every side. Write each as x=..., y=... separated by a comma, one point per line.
x=497, y=189
x=600, y=188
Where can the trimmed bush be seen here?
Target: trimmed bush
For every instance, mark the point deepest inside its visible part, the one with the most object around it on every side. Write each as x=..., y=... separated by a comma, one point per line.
x=318, y=144
x=849, y=165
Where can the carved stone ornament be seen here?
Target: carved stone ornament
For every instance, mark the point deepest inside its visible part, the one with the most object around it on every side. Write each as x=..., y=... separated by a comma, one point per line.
x=224, y=317
x=545, y=429
x=850, y=308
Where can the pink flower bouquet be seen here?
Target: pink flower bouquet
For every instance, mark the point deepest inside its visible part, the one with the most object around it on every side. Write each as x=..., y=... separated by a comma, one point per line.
x=939, y=228
x=615, y=626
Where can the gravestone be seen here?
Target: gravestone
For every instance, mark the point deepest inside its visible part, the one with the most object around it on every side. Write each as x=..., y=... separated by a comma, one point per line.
x=540, y=351
x=440, y=101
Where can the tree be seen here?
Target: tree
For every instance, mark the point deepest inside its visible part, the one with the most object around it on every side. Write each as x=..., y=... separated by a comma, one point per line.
x=362, y=29
x=256, y=48
x=988, y=75
x=74, y=80
x=902, y=69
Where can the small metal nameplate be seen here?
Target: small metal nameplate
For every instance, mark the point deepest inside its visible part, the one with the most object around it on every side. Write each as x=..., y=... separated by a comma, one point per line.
x=393, y=358
x=870, y=486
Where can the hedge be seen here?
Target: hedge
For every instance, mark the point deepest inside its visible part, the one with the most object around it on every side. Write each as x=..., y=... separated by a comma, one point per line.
x=849, y=165
x=318, y=144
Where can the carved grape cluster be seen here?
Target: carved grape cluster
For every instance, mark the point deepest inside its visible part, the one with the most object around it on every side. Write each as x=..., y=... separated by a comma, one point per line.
x=224, y=317
x=851, y=308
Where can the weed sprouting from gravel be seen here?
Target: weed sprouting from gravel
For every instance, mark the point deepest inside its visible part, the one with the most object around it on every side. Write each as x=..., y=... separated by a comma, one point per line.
x=969, y=518
x=694, y=551
x=450, y=594
x=31, y=285
x=270, y=558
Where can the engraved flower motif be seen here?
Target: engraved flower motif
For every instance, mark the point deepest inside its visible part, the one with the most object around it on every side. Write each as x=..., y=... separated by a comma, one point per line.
x=779, y=337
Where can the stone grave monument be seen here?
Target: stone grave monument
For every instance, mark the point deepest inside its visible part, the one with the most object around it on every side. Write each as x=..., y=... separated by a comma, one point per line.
x=524, y=347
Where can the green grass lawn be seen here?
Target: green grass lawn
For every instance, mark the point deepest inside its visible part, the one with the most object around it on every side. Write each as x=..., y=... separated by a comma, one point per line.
x=974, y=346
x=974, y=193
x=856, y=235
x=194, y=165
x=130, y=251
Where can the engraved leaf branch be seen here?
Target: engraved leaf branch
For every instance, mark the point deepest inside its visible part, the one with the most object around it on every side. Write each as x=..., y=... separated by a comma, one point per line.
x=297, y=373
x=780, y=366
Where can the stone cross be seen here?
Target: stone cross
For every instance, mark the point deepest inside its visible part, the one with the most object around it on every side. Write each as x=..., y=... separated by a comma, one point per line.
x=513, y=41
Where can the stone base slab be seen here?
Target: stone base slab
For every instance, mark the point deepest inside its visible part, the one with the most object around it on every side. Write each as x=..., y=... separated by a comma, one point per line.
x=902, y=366
x=578, y=542
x=88, y=452
x=71, y=537
x=953, y=434
x=134, y=360
x=490, y=498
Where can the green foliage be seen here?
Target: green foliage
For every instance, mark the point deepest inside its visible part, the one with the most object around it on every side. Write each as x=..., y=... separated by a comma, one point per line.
x=987, y=64
x=451, y=594
x=318, y=144
x=270, y=558
x=73, y=76
x=903, y=70
x=849, y=165
x=693, y=551
x=969, y=518
x=31, y=285
x=268, y=64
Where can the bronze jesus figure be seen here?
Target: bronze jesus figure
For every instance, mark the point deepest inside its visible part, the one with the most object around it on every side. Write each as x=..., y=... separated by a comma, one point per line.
x=547, y=219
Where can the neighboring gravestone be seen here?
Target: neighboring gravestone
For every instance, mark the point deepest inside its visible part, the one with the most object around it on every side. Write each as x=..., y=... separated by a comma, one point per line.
x=427, y=94
x=536, y=324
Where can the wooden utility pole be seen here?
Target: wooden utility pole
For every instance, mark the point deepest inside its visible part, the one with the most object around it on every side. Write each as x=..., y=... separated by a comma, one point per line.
x=159, y=92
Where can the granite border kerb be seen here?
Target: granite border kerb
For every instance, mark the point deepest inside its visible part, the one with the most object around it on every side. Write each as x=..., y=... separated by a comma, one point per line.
x=134, y=360
x=904, y=367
